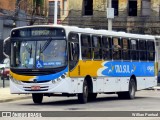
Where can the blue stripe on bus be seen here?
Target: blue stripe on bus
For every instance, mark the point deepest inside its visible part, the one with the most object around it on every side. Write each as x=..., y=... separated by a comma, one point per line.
x=118, y=69
x=51, y=76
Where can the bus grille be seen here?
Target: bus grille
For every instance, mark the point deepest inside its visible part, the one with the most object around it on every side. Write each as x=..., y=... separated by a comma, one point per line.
x=43, y=88
x=36, y=81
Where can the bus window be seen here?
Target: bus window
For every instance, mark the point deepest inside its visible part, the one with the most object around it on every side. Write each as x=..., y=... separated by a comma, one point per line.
x=73, y=39
x=86, y=47
x=142, y=50
x=116, y=47
x=150, y=50
x=125, y=51
x=96, y=44
x=134, y=50
x=106, y=48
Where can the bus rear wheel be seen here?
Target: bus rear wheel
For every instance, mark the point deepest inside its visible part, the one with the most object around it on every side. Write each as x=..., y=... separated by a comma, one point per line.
x=83, y=97
x=130, y=94
x=132, y=89
x=37, y=98
x=92, y=96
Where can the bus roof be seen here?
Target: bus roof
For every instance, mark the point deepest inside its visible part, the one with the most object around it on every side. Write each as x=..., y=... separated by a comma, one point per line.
x=94, y=31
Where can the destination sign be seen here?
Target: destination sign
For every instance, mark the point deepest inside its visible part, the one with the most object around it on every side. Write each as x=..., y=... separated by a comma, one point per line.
x=38, y=32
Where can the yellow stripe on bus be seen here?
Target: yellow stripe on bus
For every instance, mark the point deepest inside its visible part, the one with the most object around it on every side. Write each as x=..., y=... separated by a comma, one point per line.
x=21, y=77
x=87, y=67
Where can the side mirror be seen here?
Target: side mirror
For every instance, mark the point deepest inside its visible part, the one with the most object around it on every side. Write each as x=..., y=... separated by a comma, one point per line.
x=7, y=47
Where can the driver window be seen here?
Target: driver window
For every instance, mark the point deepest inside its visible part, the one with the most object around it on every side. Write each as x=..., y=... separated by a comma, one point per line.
x=73, y=45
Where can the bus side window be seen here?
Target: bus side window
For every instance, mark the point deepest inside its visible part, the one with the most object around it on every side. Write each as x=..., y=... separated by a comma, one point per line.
x=116, y=47
x=134, y=49
x=106, y=48
x=150, y=50
x=142, y=50
x=125, y=51
x=96, y=47
x=86, y=46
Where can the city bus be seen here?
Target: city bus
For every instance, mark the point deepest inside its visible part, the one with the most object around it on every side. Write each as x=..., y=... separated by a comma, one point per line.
x=57, y=60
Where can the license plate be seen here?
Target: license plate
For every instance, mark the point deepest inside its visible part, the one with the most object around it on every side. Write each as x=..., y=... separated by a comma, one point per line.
x=35, y=88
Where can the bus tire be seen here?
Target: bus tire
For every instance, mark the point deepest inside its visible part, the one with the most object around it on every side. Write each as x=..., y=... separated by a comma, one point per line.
x=37, y=97
x=130, y=94
x=83, y=97
x=121, y=95
x=92, y=96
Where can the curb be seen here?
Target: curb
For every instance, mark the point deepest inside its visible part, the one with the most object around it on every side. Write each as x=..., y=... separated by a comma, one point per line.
x=14, y=99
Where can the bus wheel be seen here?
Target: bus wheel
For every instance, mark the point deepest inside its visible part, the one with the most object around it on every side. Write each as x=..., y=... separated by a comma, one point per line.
x=132, y=89
x=92, y=96
x=37, y=97
x=83, y=97
x=121, y=95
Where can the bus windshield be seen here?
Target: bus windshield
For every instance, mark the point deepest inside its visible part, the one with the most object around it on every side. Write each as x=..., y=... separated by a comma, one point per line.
x=39, y=54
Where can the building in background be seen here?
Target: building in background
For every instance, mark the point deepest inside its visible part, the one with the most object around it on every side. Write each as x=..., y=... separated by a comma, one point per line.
x=134, y=16
x=15, y=13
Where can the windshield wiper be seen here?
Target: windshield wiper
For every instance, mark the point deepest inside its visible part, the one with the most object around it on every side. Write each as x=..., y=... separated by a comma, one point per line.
x=29, y=50
x=39, y=52
x=45, y=45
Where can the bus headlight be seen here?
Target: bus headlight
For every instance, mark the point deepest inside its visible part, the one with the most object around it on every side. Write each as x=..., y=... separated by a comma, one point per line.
x=56, y=80
x=63, y=76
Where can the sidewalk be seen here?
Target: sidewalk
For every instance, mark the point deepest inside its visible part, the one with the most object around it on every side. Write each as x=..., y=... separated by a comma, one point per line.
x=6, y=96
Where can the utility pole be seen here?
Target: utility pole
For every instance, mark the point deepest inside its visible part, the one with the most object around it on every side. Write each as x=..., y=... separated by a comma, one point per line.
x=55, y=11
x=110, y=14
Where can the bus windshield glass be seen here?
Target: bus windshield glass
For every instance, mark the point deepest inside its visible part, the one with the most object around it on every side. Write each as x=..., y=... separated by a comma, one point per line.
x=38, y=48
x=39, y=54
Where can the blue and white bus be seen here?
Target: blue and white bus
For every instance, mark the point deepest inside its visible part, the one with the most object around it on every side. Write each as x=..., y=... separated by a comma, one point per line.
x=49, y=60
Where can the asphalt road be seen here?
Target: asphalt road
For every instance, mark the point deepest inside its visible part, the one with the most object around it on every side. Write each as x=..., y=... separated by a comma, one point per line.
x=146, y=100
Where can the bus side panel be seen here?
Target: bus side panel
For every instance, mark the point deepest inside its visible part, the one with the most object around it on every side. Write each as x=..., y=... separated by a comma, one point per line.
x=76, y=85
x=115, y=74
x=111, y=84
x=146, y=82
x=124, y=83
x=140, y=83
x=151, y=81
x=85, y=68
